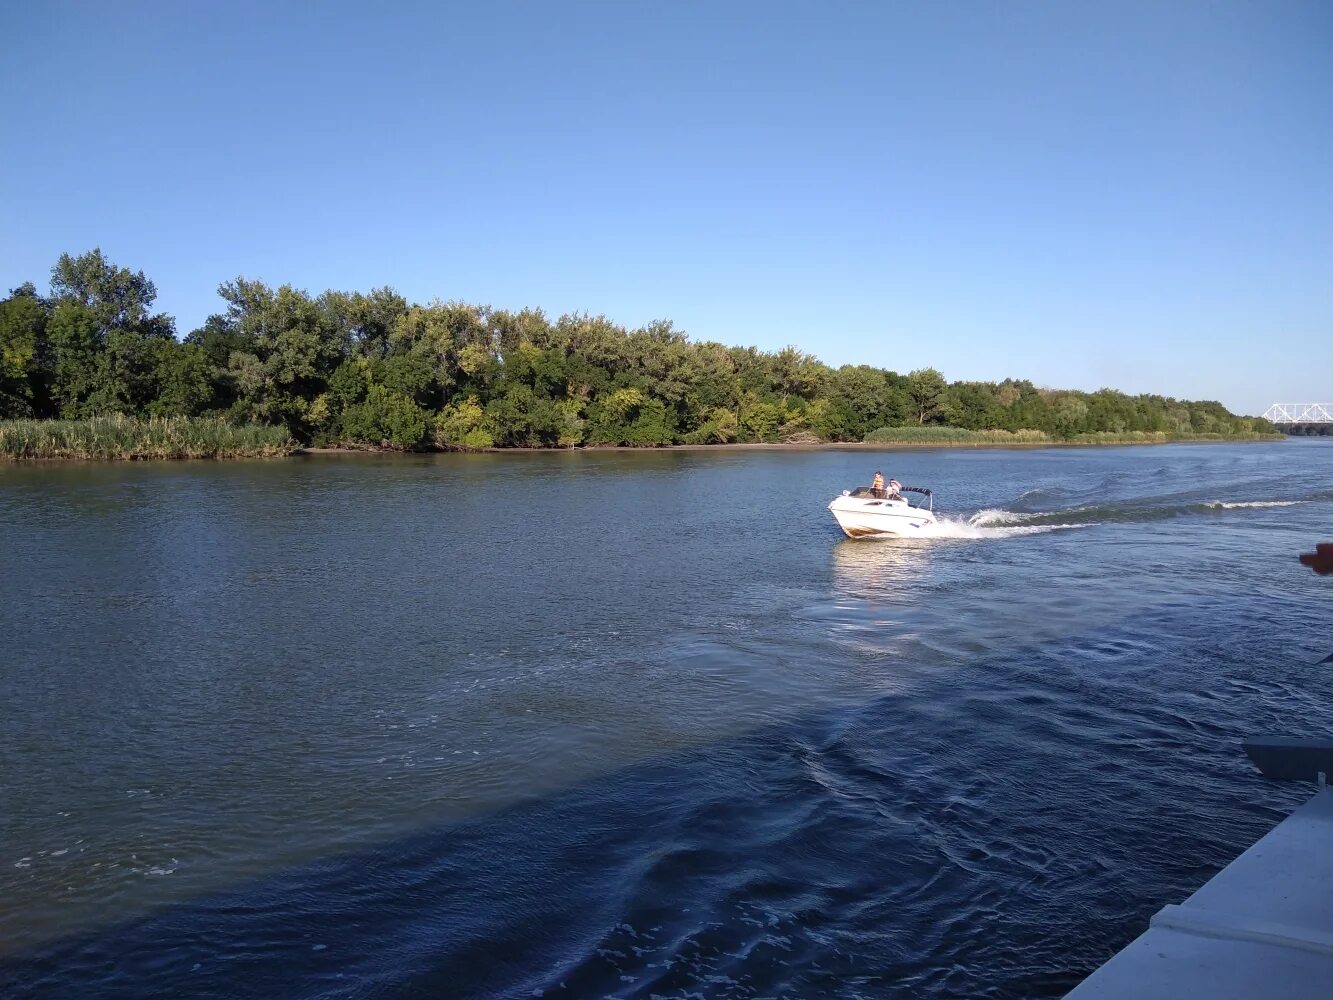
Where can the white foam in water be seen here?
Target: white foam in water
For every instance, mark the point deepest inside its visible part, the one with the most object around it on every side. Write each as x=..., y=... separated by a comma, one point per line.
x=984, y=525
x=1222, y=505
x=998, y=516
x=999, y=523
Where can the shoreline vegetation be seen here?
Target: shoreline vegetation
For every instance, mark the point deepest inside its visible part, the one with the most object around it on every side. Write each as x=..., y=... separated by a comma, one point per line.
x=88, y=371
x=121, y=438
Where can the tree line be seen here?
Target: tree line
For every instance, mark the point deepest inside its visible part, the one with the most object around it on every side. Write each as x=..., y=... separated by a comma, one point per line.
x=1309, y=430
x=372, y=368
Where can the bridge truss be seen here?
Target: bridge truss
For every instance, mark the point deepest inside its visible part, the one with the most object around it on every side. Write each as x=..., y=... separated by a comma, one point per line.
x=1300, y=413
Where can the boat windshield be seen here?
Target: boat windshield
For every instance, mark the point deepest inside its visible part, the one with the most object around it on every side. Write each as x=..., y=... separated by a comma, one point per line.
x=926, y=500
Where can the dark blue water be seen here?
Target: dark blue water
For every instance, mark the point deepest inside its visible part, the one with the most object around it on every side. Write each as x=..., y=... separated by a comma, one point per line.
x=638, y=725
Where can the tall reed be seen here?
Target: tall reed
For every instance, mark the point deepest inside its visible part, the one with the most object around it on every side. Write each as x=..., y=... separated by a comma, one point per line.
x=129, y=438
x=944, y=436
x=934, y=434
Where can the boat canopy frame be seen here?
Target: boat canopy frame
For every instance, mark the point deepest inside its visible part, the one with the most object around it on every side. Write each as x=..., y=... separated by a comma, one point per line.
x=930, y=497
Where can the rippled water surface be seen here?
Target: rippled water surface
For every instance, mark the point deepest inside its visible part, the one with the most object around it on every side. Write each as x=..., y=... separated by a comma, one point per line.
x=638, y=724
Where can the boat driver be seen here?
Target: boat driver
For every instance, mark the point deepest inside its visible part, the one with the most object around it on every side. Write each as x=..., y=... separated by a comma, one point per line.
x=877, y=485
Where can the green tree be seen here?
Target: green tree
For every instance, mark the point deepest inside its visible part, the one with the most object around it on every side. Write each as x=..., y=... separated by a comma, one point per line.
x=289, y=348
x=23, y=387
x=570, y=423
x=364, y=323
x=104, y=343
x=349, y=383
x=408, y=376
x=925, y=388
x=73, y=343
x=184, y=380
x=385, y=417
x=758, y=418
x=835, y=420
x=116, y=297
x=1070, y=412
x=720, y=427
x=464, y=425
x=629, y=416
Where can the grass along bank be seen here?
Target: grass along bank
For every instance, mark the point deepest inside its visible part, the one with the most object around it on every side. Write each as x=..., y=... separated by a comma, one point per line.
x=131, y=438
x=960, y=437
x=122, y=438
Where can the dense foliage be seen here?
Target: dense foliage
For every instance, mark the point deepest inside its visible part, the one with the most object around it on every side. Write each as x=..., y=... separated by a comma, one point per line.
x=375, y=369
x=1310, y=430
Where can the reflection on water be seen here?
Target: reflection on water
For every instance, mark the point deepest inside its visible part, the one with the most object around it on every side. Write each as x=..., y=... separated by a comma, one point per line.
x=886, y=569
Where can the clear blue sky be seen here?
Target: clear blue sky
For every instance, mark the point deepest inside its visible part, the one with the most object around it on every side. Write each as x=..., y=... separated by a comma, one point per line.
x=1137, y=194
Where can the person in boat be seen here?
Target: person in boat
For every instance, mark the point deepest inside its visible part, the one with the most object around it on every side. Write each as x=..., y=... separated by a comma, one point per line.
x=878, y=491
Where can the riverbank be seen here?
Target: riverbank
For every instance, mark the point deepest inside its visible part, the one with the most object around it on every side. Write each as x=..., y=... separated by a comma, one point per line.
x=119, y=438
x=950, y=437
x=817, y=446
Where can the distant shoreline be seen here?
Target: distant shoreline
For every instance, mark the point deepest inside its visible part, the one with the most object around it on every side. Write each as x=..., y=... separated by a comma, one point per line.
x=116, y=438
x=784, y=446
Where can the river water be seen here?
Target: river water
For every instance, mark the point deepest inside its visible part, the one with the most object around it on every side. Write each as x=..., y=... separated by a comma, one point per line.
x=638, y=724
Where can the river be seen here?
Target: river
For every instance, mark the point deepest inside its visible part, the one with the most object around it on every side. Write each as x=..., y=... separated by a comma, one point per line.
x=638, y=723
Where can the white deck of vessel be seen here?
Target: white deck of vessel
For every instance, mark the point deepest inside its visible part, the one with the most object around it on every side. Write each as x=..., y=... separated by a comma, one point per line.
x=1262, y=927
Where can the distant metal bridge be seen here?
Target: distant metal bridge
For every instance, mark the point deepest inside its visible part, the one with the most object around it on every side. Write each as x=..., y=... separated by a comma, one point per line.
x=1300, y=413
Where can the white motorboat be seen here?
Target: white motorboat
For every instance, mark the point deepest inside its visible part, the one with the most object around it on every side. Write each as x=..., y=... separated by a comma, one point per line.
x=869, y=513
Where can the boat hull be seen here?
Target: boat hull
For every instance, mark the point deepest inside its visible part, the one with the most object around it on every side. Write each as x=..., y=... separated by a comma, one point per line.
x=860, y=518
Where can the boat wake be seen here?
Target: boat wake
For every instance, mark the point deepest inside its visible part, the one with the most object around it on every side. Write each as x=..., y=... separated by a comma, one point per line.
x=1223, y=505
x=999, y=522
x=987, y=524
x=1030, y=522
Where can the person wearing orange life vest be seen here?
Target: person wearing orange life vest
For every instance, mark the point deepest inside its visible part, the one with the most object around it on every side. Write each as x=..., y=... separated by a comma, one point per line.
x=877, y=488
